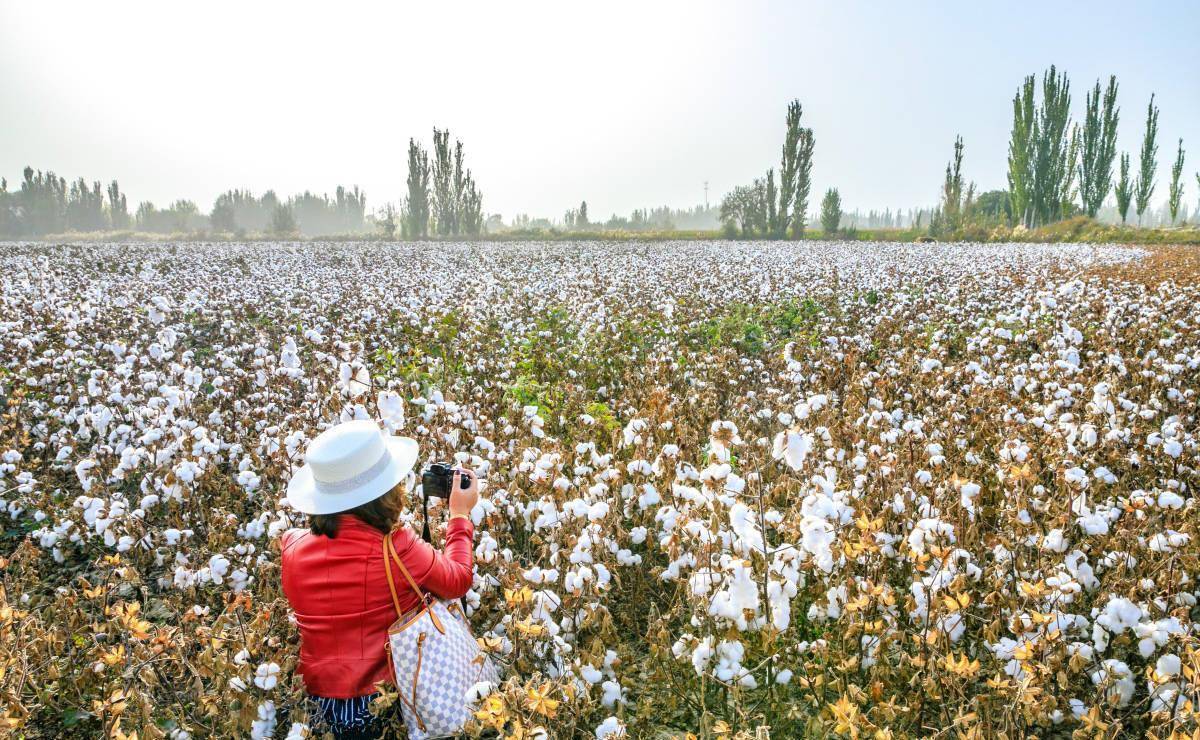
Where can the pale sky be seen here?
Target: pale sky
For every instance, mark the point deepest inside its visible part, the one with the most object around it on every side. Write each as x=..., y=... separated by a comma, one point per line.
x=624, y=104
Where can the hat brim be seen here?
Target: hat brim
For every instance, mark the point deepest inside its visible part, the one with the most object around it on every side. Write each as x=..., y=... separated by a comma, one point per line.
x=304, y=496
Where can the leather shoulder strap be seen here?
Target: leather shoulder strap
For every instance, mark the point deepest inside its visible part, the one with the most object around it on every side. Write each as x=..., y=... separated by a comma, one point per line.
x=387, y=569
x=391, y=549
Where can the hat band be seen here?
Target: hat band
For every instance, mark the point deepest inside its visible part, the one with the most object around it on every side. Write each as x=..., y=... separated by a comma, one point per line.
x=357, y=481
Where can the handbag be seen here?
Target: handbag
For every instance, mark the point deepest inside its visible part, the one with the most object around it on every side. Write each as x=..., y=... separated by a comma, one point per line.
x=434, y=658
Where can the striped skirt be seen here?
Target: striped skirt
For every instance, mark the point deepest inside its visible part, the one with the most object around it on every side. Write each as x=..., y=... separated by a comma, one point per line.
x=346, y=717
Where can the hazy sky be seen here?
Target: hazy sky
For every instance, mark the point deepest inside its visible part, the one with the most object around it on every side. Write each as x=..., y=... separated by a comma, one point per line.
x=624, y=104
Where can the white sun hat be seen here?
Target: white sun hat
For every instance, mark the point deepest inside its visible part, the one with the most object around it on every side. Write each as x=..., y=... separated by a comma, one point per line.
x=347, y=466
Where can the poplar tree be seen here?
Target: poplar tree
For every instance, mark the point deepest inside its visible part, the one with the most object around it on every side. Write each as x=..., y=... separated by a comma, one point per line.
x=773, y=227
x=1042, y=150
x=1124, y=188
x=1148, y=164
x=470, y=207
x=804, y=160
x=952, y=188
x=457, y=204
x=1054, y=165
x=1099, y=146
x=444, y=200
x=415, y=223
x=789, y=168
x=118, y=208
x=461, y=178
x=1175, y=193
x=1020, y=151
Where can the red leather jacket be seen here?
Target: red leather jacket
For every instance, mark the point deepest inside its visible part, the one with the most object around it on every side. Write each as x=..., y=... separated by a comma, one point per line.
x=338, y=590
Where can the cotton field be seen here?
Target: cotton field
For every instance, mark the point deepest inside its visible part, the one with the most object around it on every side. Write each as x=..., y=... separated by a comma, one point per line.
x=732, y=490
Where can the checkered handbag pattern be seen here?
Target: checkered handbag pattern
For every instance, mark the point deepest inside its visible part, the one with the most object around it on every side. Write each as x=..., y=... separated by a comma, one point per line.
x=435, y=661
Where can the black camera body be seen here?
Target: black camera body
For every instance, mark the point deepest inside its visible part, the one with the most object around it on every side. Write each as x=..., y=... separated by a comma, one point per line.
x=438, y=478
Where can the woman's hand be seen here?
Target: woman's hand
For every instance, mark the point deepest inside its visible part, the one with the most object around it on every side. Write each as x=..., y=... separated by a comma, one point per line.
x=462, y=500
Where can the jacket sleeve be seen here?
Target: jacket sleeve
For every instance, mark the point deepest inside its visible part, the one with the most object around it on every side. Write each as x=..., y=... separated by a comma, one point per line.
x=448, y=573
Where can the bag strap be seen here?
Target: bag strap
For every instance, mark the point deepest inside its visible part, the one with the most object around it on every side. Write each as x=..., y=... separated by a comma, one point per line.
x=387, y=568
x=389, y=550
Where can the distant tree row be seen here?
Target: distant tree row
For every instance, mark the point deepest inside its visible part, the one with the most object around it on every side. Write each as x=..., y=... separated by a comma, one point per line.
x=1058, y=168
x=664, y=218
x=46, y=204
x=314, y=215
x=443, y=198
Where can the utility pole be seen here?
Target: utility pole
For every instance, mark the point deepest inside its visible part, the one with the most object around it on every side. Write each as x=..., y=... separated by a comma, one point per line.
x=706, y=195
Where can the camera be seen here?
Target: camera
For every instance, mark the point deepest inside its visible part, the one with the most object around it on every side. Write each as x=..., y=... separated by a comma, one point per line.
x=437, y=479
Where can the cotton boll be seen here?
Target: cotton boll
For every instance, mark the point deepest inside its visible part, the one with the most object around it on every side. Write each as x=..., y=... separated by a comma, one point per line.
x=702, y=655
x=597, y=511
x=266, y=676
x=264, y=726
x=298, y=731
x=391, y=410
x=610, y=729
x=1118, y=678
x=969, y=492
x=477, y=692
x=1170, y=500
x=793, y=447
x=1054, y=541
x=590, y=673
x=1168, y=666
x=612, y=693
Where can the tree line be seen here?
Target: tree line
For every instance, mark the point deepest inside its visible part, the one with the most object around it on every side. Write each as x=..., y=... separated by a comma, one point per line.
x=1059, y=168
x=46, y=203
x=442, y=198
x=700, y=217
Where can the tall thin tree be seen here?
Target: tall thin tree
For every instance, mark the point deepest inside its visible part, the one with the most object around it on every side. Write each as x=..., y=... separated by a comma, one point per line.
x=804, y=163
x=789, y=168
x=772, y=206
x=1042, y=149
x=952, y=188
x=1020, y=151
x=443, y=184
x=1099, y=146
x=118, y=207
x=415, y=223
x=1054, y=164
x=1175, y=192
x=1148, y=163
x=1124, y=189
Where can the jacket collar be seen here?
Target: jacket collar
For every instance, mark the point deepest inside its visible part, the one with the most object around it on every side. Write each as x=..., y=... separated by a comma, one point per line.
x=358, y=525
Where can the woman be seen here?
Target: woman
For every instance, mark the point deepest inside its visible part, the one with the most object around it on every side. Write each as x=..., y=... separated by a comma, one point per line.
x=351, y=486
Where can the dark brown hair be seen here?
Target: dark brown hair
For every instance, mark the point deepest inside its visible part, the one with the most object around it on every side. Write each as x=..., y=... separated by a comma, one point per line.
x=380, y=513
